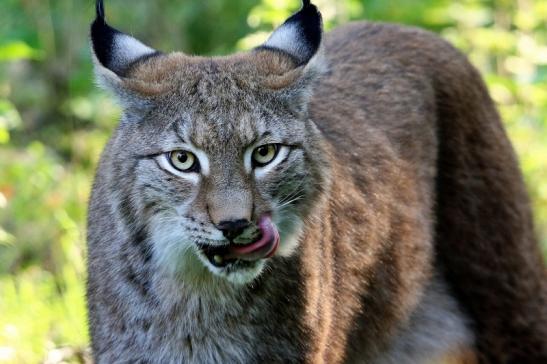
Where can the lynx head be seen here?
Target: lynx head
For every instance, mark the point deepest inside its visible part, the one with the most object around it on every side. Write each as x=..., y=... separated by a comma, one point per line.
x=215, y=165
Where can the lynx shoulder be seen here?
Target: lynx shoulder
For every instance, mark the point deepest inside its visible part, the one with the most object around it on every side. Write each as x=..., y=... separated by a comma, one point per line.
x=344, y=198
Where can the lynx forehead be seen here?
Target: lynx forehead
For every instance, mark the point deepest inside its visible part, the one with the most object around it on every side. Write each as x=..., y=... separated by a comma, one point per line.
x=309, y=201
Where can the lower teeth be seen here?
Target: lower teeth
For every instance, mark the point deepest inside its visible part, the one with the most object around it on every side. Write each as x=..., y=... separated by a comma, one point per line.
x=218, y=259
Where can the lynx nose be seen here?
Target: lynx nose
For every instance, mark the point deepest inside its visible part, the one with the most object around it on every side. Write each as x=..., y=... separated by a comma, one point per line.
x=232, y=228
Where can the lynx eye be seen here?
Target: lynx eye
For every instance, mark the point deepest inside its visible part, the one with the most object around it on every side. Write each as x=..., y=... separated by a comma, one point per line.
x=183, y=160
x=264, y=154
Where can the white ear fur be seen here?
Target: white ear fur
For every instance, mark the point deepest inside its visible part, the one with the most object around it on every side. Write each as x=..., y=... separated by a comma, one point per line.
x=113, y=49
x=104, y=77
x=287, y=38
x=110, y=81
x=300, y=35
x=113, y=55
x=126, y=50
x=317, y=65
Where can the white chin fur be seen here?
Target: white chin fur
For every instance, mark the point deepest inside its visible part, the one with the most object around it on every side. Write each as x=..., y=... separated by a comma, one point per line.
x=178, y=257
x=237, y=276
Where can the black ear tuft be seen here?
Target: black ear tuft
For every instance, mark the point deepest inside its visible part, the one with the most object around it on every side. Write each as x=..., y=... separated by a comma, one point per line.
x=102, y=37
x=300, y=35
x=99, y=9
x=115, y=50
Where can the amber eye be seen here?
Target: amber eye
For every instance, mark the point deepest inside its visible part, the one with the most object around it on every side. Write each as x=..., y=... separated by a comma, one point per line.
x=264, y=154
x=183, y=160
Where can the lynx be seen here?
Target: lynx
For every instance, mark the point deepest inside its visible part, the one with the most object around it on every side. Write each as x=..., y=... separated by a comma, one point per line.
x=347, y=198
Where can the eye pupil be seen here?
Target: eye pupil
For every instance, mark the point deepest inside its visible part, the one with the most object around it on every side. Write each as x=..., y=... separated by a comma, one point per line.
x=263, y=151
x=182, y=157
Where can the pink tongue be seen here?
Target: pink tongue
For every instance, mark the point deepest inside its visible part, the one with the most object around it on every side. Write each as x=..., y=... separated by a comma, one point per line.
x=264, y=247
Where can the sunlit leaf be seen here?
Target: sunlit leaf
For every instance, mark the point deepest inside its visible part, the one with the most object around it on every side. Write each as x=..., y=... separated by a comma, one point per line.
x=9, y=116
x=18, y=50
x=6, y=238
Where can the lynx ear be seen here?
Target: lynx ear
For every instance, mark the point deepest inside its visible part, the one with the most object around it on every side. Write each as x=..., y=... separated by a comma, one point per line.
x=300, y=35
x=300, y=39
x=114, y=51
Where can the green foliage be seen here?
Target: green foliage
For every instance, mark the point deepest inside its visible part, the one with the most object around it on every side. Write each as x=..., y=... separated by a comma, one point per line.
x=38, y=314
x=54, y=122
x=18, y=50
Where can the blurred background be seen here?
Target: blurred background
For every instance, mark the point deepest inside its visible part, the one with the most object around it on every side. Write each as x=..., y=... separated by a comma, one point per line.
x=54, y=123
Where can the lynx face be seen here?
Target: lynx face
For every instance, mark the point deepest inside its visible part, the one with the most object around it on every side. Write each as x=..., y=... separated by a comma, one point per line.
x=215, y=160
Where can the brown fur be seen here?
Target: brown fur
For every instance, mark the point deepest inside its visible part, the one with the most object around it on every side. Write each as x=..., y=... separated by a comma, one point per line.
x=419, y=180
x=483, y=233
x=464, y=356
x=158, y=75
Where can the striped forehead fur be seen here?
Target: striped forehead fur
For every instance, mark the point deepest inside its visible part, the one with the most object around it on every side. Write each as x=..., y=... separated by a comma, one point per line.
x=253, y=70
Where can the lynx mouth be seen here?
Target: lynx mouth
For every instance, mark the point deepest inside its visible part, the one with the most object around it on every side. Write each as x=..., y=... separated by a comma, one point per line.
x=245, y=254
